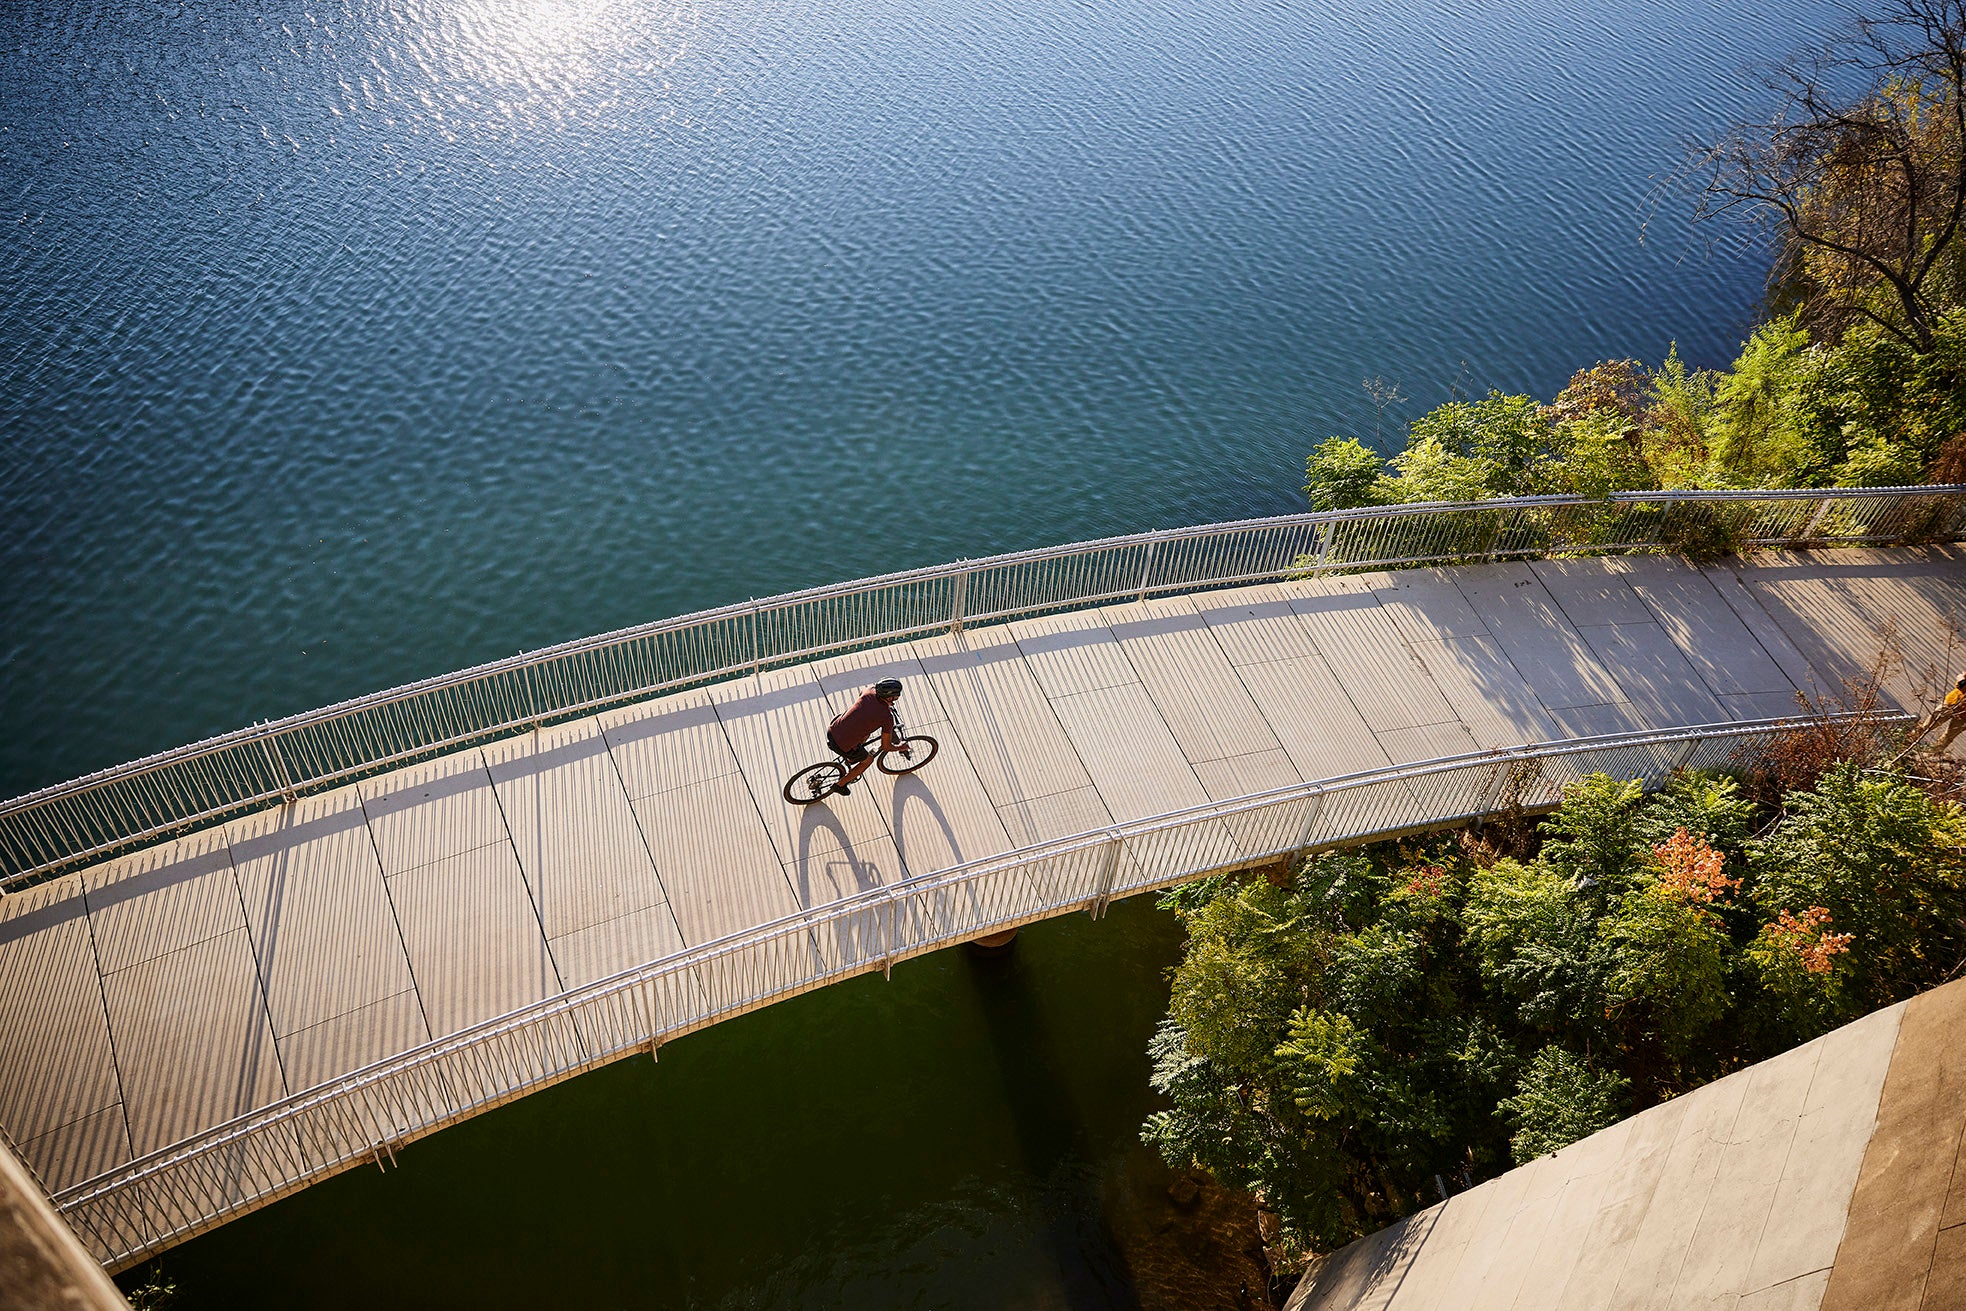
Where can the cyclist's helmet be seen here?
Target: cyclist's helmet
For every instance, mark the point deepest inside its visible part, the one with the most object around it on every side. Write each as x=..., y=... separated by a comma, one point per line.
x=888, y=687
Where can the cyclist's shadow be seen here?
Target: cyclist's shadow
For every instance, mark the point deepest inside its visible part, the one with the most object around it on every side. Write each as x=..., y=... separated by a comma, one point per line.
x=911, y=794
x=830, y=874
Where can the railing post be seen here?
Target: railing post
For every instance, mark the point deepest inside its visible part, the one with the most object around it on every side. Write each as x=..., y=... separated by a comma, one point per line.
x=279, y=765
x=887, y=957
x=1667, y=506
x=1323, y=546
x=961, y=600
x=532, y=691
x=1504, y=773
x=1305, y=830
x=1815, y=520
x=1100, y=898
x=754, y=637
x=1147, y=567
x=1501, y=531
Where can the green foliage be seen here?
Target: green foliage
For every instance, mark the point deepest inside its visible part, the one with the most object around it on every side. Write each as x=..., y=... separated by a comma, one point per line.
x=1561, y=1099
x=1675, y=434
x=1866, y=410
x=1590, y=838
x=1886, y=861
x=1320, y=1062
x=1505, y=433
x=1760, y=434
x=1804, y=968
x=1535, y=940
x=1594, y=456
x=155, y=1292
x=1429, y=470
x=1237, y=985
x=1403, y=1012
x=1670, y=965
x=1374, y=974
x=1709, y=806
x=1340, y=474
x=1469, y=450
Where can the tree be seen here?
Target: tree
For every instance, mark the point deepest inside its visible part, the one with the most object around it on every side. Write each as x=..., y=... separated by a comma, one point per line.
x=1560, y=1100
x=1340, y=473
x=1865, y=192
x=1589, y=839
x=1535, y=941
x=1758, y=429
x=1708, y=806
x=1887, y=864
x=1803, y=965
x=1505, y=437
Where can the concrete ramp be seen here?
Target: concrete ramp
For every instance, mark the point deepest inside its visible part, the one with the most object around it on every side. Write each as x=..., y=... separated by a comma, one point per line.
x=1828, y=1177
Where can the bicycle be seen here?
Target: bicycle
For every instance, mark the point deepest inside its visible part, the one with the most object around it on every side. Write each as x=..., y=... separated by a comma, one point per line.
x=817, y=782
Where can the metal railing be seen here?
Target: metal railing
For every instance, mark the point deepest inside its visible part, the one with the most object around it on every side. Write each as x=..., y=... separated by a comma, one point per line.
x=169, y=1195
x=73, y=823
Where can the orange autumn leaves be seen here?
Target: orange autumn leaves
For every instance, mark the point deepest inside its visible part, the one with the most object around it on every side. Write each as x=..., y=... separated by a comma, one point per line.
x=1694, y=874
x=1806, y=936
x=1690, y=870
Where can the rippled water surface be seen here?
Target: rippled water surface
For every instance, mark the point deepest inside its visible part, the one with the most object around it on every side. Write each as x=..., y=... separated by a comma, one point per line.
x=345, y=342
x=348, y=343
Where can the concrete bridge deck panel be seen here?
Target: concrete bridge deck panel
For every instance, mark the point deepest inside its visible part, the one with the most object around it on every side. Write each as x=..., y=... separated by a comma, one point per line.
x=1538, y=636
x=699, y=832
x=563, y=801
x=1659, y=683
x=324, y=929
x=194, y=1046
x=1727, y=654
x=302, y=942
x=1313, y=716
x=1193, y=685
x=1491, y=698
x=1364, y=649
x=60, y=1093
x=1010, y=732
x=671, y=742
x=1427, y=604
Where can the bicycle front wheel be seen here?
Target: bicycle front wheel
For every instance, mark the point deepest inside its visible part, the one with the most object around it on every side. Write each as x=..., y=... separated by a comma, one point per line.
x=920, y=749
x=814, y=782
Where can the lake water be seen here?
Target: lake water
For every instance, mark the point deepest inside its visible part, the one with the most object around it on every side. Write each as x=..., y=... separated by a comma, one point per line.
x=345, y=342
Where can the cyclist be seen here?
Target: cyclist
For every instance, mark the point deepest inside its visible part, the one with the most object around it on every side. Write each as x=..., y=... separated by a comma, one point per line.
x=848, y=734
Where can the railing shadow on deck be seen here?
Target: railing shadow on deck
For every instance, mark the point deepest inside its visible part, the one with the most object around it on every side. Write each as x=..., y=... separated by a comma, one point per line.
x=169, y=1195
x=91, y=818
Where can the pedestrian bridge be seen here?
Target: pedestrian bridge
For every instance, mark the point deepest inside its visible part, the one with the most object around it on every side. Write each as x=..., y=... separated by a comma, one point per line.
x=232, y=970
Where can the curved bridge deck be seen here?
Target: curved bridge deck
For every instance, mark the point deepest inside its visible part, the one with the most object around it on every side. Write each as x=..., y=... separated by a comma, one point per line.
x=147, y=999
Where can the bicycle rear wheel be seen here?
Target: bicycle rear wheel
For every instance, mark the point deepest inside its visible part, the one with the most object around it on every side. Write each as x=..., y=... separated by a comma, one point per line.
x=921, y=749
x=814, y=782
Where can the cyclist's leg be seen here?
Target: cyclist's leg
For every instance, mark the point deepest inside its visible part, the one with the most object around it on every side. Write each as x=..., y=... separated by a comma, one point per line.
x=866, y=758
x=856, y=758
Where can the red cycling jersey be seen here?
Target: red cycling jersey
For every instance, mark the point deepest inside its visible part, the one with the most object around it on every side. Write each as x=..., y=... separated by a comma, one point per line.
x=864, y=718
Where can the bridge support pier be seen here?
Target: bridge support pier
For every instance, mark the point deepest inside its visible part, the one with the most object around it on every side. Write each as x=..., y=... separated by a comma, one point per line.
x=994, y=944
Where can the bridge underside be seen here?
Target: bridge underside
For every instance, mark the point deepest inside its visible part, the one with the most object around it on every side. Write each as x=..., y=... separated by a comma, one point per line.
x=148, y=999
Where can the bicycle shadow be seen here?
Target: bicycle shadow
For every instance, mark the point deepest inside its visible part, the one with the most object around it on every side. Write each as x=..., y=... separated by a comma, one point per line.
x=827, y=868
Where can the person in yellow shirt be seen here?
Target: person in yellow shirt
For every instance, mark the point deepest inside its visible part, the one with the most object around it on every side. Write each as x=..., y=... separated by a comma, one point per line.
x=1951, y=712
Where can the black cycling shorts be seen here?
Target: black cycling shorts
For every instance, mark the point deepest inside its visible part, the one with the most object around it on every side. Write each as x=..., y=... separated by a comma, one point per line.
x=853, y=755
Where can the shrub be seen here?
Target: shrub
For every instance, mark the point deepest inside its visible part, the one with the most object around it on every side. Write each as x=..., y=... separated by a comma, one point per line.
x=1560, y=1099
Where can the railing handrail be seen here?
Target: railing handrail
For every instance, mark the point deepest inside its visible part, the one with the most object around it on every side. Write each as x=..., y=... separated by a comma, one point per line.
x=269, y=734
x=845, y=908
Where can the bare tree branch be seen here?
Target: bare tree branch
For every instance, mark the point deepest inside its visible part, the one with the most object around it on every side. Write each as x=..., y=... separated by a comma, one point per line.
x=1865, y=189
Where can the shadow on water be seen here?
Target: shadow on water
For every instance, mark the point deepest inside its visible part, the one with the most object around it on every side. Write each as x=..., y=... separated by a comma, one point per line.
x=1051, y=1131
